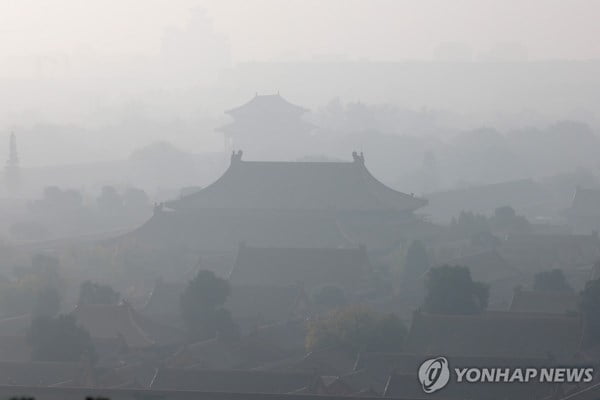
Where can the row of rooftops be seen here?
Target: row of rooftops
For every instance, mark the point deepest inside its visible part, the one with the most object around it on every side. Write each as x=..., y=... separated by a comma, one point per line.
x=488, y=339
x=374, y=373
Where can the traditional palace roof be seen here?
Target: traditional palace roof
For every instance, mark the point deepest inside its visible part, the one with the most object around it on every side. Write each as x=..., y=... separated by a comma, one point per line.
x=544, y=302
x=108, y=322
x=586, y=203
x=266, y=105
x=314, y=186
x=223, y=230
x=311, y=267
x=496, y=334
x=268, y=115
x=239, y=381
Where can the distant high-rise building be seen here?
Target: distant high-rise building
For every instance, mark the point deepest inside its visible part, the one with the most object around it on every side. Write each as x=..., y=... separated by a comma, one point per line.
x=11, y=171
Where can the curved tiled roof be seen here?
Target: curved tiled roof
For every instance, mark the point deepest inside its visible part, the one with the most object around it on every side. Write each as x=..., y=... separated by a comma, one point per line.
x=586, y=203
x=266, y=105
x=311, y=267
x=223, y=230
x=108, y=321
x=544, y=302
x=240, y=381
x=337, y=186
x=495, y=334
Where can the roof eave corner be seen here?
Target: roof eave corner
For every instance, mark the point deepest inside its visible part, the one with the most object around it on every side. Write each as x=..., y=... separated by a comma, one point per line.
x=358, y=158
x=236, y=157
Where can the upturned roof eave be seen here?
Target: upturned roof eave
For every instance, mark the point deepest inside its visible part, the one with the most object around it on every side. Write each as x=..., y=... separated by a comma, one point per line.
x=382, y=201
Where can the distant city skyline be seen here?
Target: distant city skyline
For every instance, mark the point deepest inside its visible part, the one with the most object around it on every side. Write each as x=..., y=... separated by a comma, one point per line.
x=265, y=30
x=112, y=76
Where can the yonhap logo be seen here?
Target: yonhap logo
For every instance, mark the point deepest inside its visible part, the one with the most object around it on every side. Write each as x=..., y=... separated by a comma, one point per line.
x=434, y=374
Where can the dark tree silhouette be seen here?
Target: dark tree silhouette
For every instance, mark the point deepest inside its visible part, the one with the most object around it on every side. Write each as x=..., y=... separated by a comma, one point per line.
x=590, y=309
x=135, y=199
x=58, y=202
x=357, y=329
x=109, y=201
x=551, y=281
x=35, y=289
x=47, y=302
x=59, y=339
x=94, y=293
x=202, y=307
x=416, y=262
x=451, y=290
x=506, y=220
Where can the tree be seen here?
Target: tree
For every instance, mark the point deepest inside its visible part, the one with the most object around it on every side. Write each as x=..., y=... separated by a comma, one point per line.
x=202, y=307
x=47, y=302
x=505, y=213
x=109, y=201
x=135, y=199
x=506, y=220
x=330, y=296
x=357, y=329
x=451, y=290
x=416, y=262
x=414, y=266
x=58, y=202
x=35, y=289
x=551, y=281
x=94, y=293
x=59, y=339
x=590, y=310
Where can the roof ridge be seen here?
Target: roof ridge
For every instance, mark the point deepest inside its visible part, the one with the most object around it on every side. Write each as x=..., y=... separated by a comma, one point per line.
x=298, y=185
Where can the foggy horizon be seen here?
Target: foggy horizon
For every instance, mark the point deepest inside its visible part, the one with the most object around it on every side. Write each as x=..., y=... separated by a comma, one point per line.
x=264, y=30
x=120, y=63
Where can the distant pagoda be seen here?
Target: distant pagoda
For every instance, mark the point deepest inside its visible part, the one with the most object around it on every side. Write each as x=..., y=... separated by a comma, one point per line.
x=267, y=126
x=12, y=170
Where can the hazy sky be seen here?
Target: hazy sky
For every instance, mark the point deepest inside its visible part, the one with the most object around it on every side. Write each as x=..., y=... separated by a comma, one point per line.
x=303, y=29
x=135, y=71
